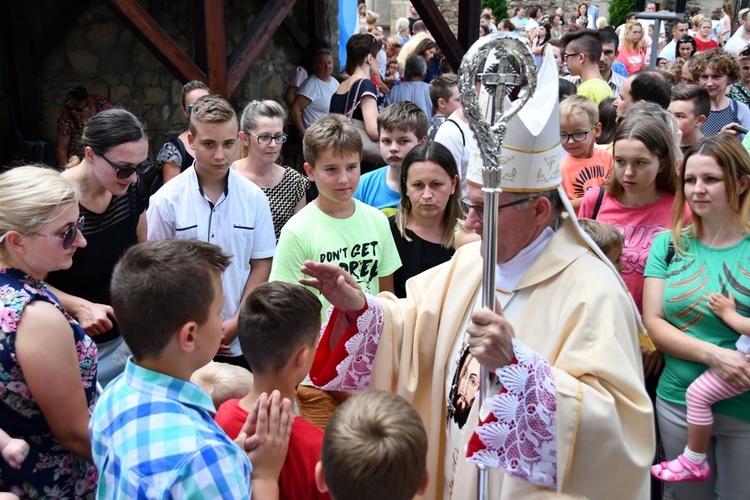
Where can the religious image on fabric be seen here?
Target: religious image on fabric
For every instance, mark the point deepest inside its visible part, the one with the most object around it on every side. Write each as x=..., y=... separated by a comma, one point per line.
x=463, y=388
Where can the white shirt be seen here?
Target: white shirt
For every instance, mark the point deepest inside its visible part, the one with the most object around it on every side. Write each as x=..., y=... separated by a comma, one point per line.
x=319, y=93
x=461, y=142
x=240, y=223
x=736, y=43
x=668, y=51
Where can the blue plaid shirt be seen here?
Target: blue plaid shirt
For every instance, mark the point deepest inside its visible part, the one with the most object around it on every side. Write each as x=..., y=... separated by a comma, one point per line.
x=153, y=437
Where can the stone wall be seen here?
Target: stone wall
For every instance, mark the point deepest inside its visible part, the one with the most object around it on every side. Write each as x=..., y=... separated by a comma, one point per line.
x=100, y=53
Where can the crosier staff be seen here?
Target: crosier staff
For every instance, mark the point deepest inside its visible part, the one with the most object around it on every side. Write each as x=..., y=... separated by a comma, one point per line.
x=500, y=64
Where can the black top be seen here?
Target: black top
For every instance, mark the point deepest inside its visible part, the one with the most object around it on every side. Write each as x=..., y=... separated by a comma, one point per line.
x=416, y=255
x=108, y=235
x=342, y=103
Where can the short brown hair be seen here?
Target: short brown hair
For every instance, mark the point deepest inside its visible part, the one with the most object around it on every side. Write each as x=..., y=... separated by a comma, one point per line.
x=604, y=235
x=330, y=132
x=375, y=446
x=158, y=286
x=275, y=320
x=441, y=87
x=696, y=94
x=211, y=108
x=406, y=116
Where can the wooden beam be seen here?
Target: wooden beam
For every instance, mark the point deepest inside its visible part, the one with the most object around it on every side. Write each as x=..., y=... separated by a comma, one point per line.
x=316, y=23
x=260, y=31
x=441, y=32
x=58, y=24
x=216, y=47
x=468, y=22
x=200, y=45
x=297, y=34
x=21, y=67
x=157, y=40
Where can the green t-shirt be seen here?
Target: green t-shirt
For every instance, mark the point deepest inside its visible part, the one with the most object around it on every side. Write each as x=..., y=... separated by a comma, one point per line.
x=361, y=244
x=689, y=279
x=595, y=89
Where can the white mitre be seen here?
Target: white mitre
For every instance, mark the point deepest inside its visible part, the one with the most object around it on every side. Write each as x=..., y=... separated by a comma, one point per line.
x=530, y=154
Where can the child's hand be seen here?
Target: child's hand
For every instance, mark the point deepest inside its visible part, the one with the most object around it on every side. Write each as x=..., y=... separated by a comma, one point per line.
x=720, y=305
x=273, y=427
x=15, y=452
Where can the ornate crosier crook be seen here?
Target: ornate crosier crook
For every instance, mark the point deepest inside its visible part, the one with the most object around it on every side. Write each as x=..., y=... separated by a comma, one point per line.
x=495, y=69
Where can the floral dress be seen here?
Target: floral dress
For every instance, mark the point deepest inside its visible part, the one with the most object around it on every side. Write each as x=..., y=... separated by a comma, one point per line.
x=50, y=470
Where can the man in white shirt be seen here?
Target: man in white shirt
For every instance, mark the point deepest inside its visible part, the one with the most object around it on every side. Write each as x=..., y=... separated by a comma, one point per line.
x=593, y=14
x=741, y=38
x=679, y=28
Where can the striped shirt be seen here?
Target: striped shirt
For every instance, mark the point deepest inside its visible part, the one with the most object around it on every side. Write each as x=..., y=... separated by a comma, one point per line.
x=153, y=437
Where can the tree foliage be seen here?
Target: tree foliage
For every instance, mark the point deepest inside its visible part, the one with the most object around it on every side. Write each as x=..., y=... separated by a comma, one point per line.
x=618, y=9
x=499, y=8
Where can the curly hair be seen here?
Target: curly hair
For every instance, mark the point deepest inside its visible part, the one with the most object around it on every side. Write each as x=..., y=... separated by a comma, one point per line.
x=718, y=61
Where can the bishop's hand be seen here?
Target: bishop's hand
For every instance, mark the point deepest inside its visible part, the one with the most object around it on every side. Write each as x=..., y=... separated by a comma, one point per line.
x=490, y=338
x=336, y=285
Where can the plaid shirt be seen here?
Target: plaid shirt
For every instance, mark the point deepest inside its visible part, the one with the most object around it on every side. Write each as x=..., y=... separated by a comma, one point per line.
x=153, y=437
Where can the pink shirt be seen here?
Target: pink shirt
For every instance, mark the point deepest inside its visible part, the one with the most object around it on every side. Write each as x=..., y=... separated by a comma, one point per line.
x=639, y=226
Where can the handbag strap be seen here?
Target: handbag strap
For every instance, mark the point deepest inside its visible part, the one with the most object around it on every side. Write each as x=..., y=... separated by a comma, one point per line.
x=350, y=112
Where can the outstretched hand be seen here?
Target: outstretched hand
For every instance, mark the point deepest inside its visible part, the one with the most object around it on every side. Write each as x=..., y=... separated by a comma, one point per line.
x=490, y=338
x=336, y=285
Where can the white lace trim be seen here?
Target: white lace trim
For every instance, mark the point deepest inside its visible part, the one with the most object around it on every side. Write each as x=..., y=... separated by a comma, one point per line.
x=354, y=371
x=522, y=438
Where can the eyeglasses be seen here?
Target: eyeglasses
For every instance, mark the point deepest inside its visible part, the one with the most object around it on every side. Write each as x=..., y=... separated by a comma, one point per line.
x=264, y=140
x=69, y=236
x=566, y=56
x=576, y=136
x=466, y=205
x=190, y=108
x=75, y=108
x=125, y=172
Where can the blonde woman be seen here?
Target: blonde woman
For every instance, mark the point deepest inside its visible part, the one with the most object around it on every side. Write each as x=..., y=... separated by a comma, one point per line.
x=703, y=40
x=633, y=51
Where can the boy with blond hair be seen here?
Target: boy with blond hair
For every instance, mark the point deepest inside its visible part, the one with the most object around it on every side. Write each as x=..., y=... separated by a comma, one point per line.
x=375, y=446
x=213, y=203
x=401, y=126
x=335, y=227
x=278, y=330
x=585, y=166
x=152, y=433
x=222, y=381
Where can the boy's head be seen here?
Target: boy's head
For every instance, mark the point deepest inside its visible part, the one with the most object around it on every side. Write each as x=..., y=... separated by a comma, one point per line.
x=278, y=323
x=690, y=106
x=375, y=446
x=607, y=238
x=401, y=126
x=444, y=94
x=169, y=291
x=213, y=135
x=332, y=149
x=579, y=126
x=222, y=381
x=581, y=48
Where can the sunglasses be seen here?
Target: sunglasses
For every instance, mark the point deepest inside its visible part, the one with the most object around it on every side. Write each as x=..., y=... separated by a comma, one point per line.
x=69, y=236
x=125, y=172
x=190, y=108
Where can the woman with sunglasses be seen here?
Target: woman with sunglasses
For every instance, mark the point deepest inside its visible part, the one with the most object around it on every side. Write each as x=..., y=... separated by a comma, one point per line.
x=113, y=200
x=173, y=157
x=47, y=363
x=262, y=135
x=79, y=107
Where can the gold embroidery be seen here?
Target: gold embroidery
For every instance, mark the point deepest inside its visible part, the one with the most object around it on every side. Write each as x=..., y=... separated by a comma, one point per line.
x=687, y=294
x=686, y=326
x=690, y=308
x=689, y=279
x=510, y=176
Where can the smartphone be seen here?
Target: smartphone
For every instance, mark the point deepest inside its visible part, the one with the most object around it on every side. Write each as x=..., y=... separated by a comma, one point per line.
x=739, y=130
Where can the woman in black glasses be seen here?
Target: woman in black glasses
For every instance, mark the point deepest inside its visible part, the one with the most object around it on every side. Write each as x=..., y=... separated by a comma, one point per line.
x=262, y=135
x=114, y=201
x=47, y=363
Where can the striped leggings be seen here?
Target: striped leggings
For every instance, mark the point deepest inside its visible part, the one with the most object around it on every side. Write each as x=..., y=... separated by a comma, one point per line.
x=704, y=392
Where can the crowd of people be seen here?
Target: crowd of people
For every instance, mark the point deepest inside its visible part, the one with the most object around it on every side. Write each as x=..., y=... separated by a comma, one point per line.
x=206, y=334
